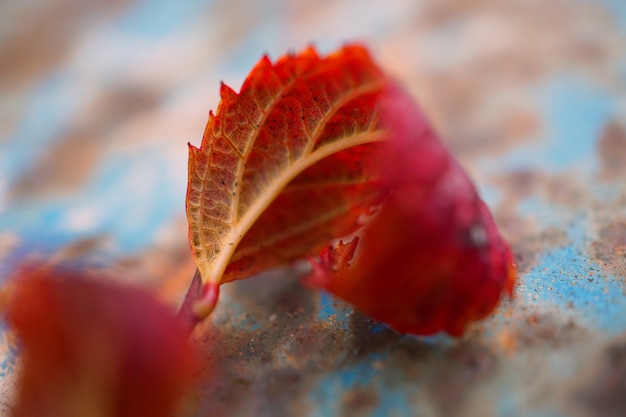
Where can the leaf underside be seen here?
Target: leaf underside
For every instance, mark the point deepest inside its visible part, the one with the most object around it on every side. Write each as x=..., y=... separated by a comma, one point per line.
x=287, y=164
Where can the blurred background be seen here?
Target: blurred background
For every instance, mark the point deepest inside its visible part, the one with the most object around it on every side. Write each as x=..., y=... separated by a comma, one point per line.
x=99, y=99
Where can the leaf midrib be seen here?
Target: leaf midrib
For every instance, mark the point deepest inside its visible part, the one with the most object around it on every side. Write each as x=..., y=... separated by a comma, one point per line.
x=252, y=214
x=213, y=271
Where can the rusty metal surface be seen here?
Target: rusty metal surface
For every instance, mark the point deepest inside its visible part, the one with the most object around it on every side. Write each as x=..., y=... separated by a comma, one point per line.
x=97, y=104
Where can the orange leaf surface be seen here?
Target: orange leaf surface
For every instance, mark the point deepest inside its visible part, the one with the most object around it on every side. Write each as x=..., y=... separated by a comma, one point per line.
x=286, y=165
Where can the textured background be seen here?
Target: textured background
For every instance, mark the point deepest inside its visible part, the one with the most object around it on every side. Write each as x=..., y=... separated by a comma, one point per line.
x=98, y=100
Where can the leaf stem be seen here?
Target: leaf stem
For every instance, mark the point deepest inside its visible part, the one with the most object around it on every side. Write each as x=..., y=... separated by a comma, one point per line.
x=198, y=303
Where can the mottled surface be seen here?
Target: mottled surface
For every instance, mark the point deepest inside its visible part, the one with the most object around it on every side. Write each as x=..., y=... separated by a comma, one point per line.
x=98, y=100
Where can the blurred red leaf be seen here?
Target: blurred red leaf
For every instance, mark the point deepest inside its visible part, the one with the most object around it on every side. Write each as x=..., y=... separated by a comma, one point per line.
x=431, y=259
x=94, y=348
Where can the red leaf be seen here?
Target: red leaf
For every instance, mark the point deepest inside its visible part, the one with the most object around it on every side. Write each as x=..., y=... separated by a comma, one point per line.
x=308, y=149
x=94, y=347
x=285, y=166
x=432, y=258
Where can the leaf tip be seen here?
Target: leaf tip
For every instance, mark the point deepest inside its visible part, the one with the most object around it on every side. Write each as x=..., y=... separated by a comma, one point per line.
x=265, y=60
x=310, y=50
x=226, y=93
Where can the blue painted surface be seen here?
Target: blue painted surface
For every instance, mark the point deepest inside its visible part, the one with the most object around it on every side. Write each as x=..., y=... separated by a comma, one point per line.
x=565, y=279
x=360, y=374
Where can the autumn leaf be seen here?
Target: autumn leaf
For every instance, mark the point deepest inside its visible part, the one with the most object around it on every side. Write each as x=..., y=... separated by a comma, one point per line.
x=308, y=152
x=432, y=258
x=92, y=347
x=284, y=166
